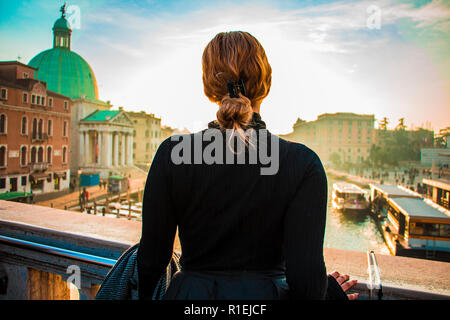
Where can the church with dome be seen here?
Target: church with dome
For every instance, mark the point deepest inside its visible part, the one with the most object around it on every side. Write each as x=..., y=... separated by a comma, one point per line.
x=101, y=138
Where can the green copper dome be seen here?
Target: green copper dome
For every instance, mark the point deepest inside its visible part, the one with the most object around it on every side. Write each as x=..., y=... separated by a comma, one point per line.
x=65, y=72
x=62, y=23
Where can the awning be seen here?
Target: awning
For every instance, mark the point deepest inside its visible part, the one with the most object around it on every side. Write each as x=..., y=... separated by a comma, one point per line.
x=38, y=176
x=59, y=173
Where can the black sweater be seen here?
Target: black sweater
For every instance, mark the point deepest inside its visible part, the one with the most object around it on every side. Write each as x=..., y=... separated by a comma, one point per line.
x=230, y=217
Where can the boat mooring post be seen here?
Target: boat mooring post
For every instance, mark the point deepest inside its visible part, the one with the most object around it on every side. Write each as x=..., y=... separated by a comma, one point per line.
x=374, y=276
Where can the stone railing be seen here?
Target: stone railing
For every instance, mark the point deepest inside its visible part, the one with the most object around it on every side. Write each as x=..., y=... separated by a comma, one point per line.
x=39, y=166
x=43, y=249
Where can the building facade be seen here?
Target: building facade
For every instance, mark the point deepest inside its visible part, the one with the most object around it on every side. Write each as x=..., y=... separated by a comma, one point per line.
x=34, y=133
x=147, y=137
x=166, y=132
x=348, y=136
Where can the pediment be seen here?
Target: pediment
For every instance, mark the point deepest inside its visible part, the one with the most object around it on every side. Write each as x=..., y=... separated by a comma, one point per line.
x=39, y=88
x=122, y=118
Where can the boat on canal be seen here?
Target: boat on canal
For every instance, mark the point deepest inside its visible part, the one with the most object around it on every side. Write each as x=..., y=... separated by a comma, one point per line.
x=380, y=193
x=414, y=227
x=411, y=225
x=349, y=197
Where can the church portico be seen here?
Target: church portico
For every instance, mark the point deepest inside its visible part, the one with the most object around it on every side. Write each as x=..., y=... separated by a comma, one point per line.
x=106, y=137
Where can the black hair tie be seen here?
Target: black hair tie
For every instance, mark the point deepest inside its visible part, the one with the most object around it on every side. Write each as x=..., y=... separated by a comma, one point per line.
x=234, y=88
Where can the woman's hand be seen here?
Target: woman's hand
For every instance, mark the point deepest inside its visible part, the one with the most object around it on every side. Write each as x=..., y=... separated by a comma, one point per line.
x=343, y=280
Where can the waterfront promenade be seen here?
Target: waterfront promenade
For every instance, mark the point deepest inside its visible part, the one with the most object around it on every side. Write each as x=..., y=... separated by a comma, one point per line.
x=137, y=183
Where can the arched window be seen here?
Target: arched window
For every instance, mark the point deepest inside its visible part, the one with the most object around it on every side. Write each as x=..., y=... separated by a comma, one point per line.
x=40, y=155
x=33, y=155
x=64, y=159
x=3, y=123
x=50, y=127
x=40, y=128
x=2, y=156
x=23, y=156
x=34, y=128
x=49, y=154
x=24, y=125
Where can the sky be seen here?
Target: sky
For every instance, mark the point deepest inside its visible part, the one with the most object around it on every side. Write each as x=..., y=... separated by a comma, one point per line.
x=382, y=57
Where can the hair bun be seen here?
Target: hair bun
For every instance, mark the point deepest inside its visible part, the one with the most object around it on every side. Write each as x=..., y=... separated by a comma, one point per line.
x=234, y=113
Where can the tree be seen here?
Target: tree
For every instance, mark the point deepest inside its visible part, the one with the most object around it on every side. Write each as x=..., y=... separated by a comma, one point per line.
x=383, y=124
x=401, y=124
x=335, y=158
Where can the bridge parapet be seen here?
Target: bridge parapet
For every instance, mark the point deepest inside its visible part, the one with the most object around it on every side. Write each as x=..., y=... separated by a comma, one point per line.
x=41, y=248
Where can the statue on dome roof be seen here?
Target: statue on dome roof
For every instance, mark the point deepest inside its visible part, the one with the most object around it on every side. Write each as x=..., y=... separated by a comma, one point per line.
x=63, y=10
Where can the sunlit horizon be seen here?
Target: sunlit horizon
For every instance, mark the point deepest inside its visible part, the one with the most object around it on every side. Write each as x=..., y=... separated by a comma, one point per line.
x=325, y=59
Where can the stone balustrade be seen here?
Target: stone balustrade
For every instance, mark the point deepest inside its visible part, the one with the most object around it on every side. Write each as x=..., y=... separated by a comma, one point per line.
x=41, y=248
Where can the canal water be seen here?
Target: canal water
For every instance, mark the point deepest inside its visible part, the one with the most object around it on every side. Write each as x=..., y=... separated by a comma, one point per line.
x=352, y=231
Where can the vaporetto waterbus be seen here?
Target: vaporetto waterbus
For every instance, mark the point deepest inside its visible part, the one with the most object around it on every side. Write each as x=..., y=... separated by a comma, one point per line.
x=418, y=228
x=347, y=196
x=380, y=193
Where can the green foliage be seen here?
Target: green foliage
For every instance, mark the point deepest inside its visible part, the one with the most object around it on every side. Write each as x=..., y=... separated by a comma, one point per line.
x=335, y=158
x=393, y=146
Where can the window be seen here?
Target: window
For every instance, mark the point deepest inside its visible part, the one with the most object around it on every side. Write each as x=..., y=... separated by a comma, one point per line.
x=3, y=123
x=23, y=156
x=40, y=155
x=24, y=181
x=25, y=75
x=40, y=128
x=38, y=100
x=2, y=183
x=2, y=156
x=4, y=94
x=66, y=105
x=34, y=129
x=64, y=155
x=43, y=101
x=429, y=229
x=445, y=230
x=50, y=127
x=65, y=129
x=25, y=98
x=50, y=102
x=33, y=99
x=24, y=129
x=33, y=155
x=49, y=154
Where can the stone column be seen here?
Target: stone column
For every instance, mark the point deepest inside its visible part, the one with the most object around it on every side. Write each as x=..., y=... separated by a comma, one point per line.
x=81, y=151
x=100, y=146
x=130, y=149
x=122, y=160
x=87, y=149
x=107, y=149
x=116, y=150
